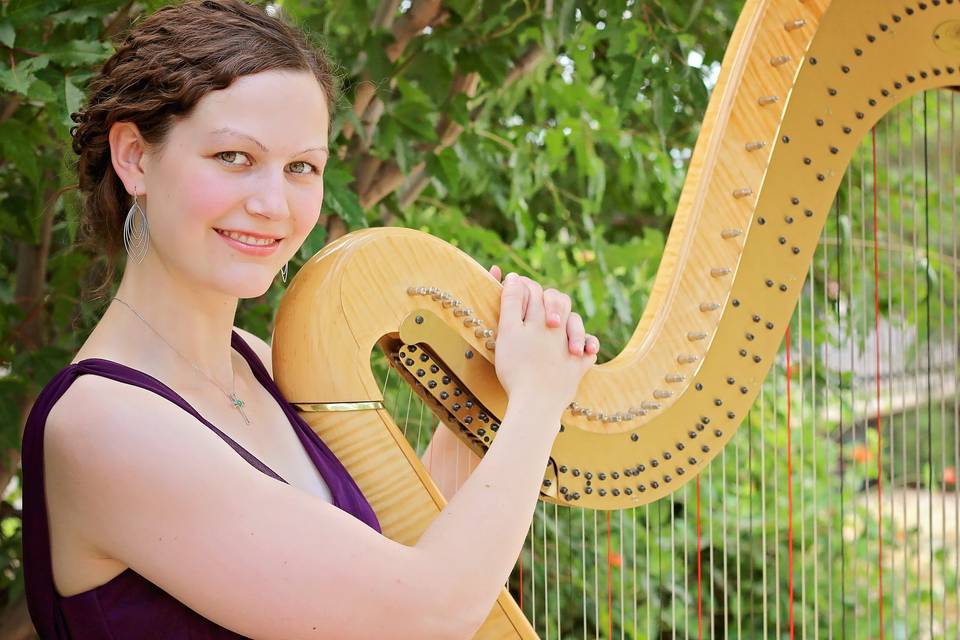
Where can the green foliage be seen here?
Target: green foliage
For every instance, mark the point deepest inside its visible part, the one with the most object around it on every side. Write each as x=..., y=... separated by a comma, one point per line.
x=567, y=171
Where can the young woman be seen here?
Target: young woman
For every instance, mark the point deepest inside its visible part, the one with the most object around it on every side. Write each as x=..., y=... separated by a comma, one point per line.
x=174, y=493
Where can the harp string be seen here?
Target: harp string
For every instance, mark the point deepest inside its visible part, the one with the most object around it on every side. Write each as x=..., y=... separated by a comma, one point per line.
x=917, y=470
x=891, y=421
x=940, y=346
x=953, y=419
x=928, y=342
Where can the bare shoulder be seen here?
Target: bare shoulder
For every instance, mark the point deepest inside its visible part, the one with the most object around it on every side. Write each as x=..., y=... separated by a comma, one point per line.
x=148, y=487
x=259, y=346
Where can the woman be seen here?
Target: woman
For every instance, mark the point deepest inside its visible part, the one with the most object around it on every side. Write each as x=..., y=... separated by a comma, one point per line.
x=202, y=148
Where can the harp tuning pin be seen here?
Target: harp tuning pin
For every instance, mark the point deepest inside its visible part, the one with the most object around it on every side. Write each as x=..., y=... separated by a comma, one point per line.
x=472, y=322
x=649, y=406
x=450, y=303
x=462, y=311
x=637, y=411
x=793, y=25
x=422, y=291
x=709, y=306
x=491, y=345
x=411, y=291
x=726, y=234
x=776, y=61
x=765, y=100
x=756, y=145
x=717, y=272
x=694, y=336
x=687, y=358
x=742, y=192
x=662, y=393
x=674, y=377
x=589, y=414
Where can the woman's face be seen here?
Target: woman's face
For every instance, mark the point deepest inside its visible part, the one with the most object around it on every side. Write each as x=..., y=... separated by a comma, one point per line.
x=249, y=158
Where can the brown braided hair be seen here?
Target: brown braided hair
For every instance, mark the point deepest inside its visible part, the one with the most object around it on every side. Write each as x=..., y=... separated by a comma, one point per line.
x=163, y=67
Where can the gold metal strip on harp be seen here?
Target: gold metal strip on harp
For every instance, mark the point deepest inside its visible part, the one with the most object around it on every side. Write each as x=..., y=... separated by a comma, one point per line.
x=316, y=407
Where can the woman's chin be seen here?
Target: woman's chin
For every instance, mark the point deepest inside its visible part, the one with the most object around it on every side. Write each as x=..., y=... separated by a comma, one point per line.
x=253, y=286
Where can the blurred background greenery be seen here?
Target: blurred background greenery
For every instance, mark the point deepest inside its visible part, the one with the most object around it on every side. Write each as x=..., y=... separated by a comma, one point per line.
x=550, y=137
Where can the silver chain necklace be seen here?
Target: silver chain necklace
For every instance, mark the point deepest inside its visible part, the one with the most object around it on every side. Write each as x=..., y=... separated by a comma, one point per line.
x=237, y=402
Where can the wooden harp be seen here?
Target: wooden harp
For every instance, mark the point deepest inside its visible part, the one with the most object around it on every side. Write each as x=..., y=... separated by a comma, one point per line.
x=802, y=84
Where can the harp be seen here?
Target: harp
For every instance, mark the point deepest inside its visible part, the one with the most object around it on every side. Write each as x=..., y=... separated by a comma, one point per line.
x=748, y=361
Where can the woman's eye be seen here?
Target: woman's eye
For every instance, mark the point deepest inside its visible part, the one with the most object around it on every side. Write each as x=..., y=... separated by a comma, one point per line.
x=230, y=156
x=309, y=168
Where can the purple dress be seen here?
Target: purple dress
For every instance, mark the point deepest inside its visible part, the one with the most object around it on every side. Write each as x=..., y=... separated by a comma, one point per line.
x=129, y=605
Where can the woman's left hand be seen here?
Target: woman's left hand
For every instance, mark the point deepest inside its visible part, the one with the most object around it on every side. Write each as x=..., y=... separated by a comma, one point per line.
x=447, y=459
x=579, y=341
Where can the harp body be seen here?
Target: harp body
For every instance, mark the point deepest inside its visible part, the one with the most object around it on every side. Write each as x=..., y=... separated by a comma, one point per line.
x=801, y=84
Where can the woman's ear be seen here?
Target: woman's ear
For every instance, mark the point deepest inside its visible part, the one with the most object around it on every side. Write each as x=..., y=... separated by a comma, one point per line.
x=127, y=149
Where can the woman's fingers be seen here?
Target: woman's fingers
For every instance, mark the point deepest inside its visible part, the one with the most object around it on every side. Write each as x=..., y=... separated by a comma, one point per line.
x=533, y=304
x=575, y=334
x=592, y=344
x=513, y=300
x=556, y=307
x=552, y=307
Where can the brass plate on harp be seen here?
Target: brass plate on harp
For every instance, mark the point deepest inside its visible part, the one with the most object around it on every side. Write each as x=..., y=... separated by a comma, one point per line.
x=947, y=36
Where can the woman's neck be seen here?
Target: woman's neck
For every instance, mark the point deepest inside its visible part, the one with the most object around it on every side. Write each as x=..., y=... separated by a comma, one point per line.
x=168, y=324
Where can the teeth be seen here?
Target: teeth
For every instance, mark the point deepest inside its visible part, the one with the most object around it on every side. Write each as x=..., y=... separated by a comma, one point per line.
x=258, y=242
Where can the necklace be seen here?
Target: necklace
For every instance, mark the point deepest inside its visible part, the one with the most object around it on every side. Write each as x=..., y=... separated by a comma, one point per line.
x=237, y=402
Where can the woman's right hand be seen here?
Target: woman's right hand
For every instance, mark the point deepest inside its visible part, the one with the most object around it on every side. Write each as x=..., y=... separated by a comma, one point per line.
x=533, y=359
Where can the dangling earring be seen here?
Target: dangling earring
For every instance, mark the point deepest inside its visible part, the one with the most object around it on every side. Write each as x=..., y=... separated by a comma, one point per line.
x=283, y=271
x=136, y=232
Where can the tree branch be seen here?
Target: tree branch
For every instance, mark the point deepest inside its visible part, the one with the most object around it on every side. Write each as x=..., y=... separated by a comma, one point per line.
x=418, y=179
x=421, y=14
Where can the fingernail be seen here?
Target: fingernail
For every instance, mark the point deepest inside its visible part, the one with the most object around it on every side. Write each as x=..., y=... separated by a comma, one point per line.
x=555, y=317
x=510, y=277
x=578, y=346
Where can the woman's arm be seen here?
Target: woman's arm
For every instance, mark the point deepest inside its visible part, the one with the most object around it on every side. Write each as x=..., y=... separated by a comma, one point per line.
x=141, y=482
x=448, y=461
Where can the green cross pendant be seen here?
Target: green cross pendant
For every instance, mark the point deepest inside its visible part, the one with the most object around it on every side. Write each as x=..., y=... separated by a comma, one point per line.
x=238, y=403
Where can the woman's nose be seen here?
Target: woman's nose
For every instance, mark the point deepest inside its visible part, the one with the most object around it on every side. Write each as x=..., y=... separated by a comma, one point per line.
x=269, y=198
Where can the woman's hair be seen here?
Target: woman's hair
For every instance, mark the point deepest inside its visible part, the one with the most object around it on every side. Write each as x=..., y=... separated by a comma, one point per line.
x=163, y=67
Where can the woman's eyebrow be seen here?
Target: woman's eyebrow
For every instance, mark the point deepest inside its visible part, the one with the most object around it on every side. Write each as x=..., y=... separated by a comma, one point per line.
x=230, y=131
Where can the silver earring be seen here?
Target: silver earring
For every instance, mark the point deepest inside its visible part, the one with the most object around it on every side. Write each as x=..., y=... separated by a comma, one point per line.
x=136, y=232
x=283, y=271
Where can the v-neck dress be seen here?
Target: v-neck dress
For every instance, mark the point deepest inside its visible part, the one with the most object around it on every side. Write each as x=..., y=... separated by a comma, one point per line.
x=129, y=605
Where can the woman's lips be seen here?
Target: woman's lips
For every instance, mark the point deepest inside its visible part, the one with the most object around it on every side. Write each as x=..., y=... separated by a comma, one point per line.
x=249, y=249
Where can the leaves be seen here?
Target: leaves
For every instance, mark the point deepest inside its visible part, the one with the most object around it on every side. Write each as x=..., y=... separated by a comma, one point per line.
x=7, y=34
x=340, y=199
x=19, y=78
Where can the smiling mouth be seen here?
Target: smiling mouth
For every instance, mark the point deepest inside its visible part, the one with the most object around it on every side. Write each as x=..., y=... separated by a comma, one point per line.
x=249, y=240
